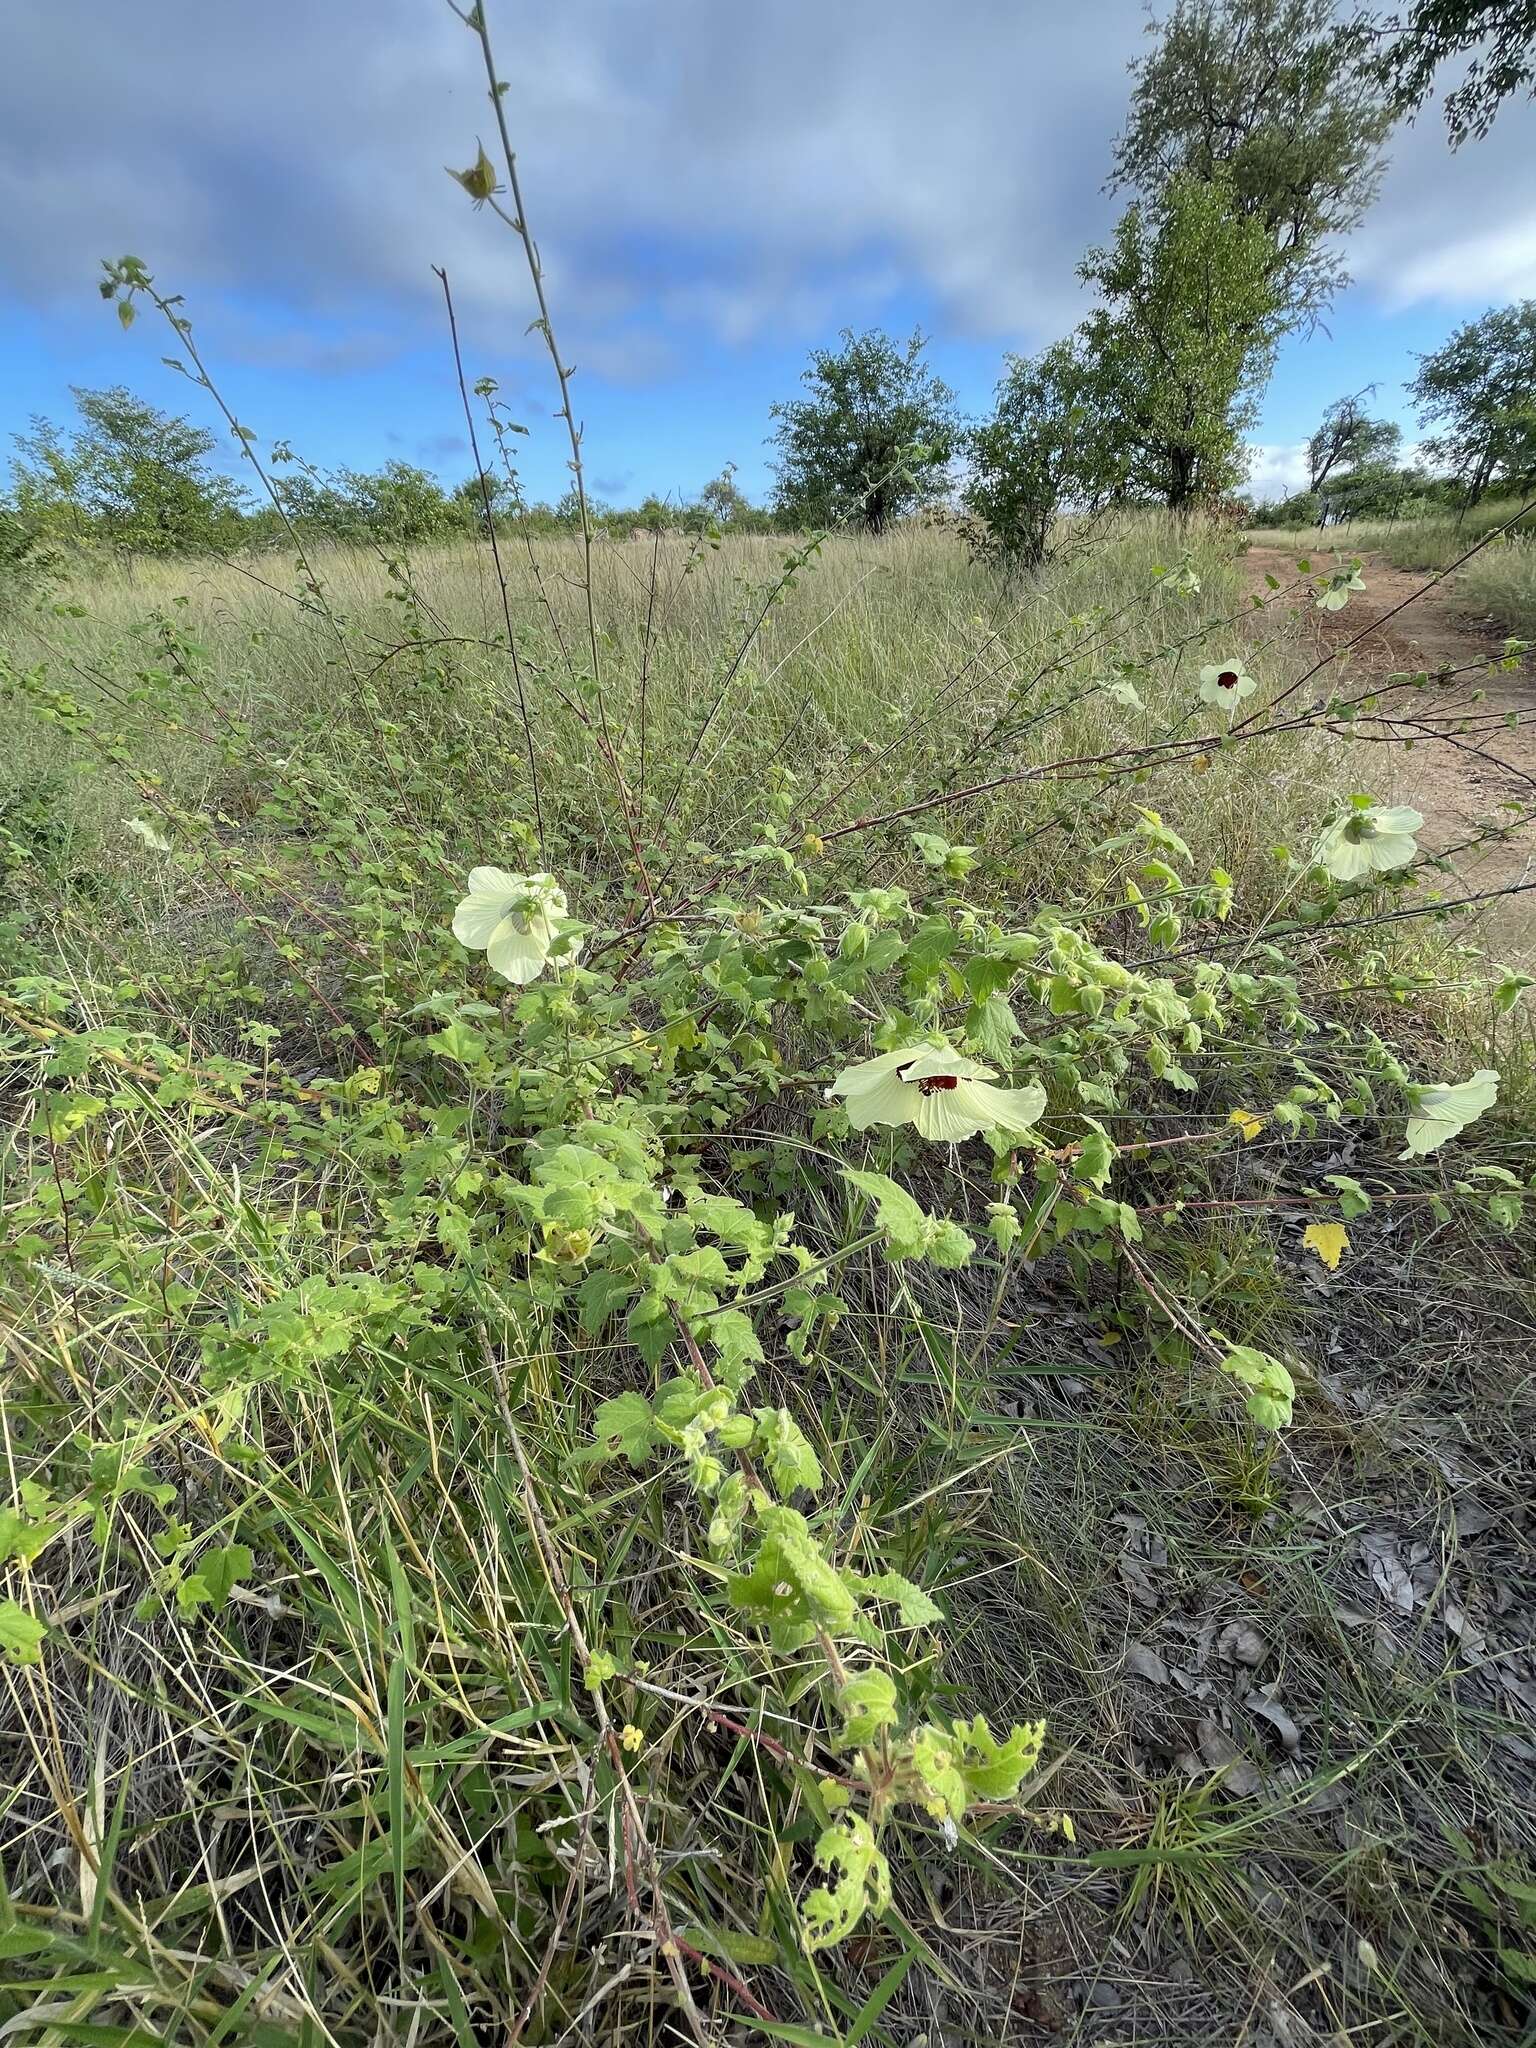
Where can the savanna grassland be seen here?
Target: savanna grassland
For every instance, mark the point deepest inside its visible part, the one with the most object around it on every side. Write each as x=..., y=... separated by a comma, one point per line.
x=766, y=1272
x=510, y=1487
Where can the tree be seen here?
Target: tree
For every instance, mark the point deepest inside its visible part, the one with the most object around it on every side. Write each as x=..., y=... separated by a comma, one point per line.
x=1040, y=453
x=1278, y=99
x=1500, y=36
x=398, y=503
x=1182, y=343
x=468, y=501
x=722, y=499
x=1481, y=389
x=137, y=476
x=1349, y=438
x=873, y=440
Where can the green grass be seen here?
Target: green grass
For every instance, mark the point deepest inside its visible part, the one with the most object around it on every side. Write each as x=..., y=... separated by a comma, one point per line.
x=308, y=1753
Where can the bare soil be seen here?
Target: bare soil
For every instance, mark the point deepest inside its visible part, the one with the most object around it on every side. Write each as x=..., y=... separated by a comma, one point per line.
x=1469, y=763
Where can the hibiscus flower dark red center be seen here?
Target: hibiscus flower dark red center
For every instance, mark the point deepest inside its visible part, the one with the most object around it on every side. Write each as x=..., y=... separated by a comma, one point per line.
x=935, y=1081
x=1227, y=680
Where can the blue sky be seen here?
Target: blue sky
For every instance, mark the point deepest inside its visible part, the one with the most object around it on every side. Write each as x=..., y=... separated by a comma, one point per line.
x=716, y=191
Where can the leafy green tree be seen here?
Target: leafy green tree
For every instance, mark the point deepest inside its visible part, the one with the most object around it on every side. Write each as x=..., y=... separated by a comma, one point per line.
x=130, y=474
x=1347, y=439
x=1040, y=453
x=1299, y=509
x=318, y=504
x=1498, y=35
x=872, y=441
x=398, y=503
x=653, y=514
x=1280, y=100
x=1182, y=344
x=1372, y=490
x=1480, y=388
x=467, y=501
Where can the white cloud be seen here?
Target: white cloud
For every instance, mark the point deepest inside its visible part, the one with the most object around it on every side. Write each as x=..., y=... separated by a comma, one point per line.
x=1492, y=267
x=730, y=166
x=1275, y=469
x=1454, y=228
x=742, y=175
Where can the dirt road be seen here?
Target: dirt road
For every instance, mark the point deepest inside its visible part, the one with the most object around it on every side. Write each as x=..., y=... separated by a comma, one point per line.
x=1455, y=779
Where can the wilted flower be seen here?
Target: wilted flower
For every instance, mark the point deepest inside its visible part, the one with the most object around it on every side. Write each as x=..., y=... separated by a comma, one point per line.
x=1371, y=840
x=1443, y=1108
x=945, y=1095
x=479, y=181
x=155, y=841
x=514, y=919
x=1226, y=682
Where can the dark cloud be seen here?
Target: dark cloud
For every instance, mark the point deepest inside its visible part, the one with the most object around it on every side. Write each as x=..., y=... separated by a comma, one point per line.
x=749, y=171
x=738, y=172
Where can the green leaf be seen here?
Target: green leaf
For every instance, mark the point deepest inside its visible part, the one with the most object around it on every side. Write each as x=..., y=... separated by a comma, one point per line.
x=948, y=1245
x=985, y=976
x=1273, y=1392
x=218, y=1573
x=790, y=1585
x=782, y=1445
x=1353, y=1199
x=21, y=1634
x=915, y=1607
x=456, y=1041
x=867, y=1704
x=21, y=1538
x=734, y=1341
x=626, y=1427
x=992, y=1769
x=730, y=1947
x=861, y=1883
x=1505, y=1210
x=1096, y=1155
x=1508, y=990
x=600, y=1293
x=993, y=1026
x=1004, y=1226
x=898, y=1215
x=928, y=948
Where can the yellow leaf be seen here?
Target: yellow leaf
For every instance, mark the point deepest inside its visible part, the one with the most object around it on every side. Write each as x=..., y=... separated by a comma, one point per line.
x=1328, y=1240
x=1248, y=1122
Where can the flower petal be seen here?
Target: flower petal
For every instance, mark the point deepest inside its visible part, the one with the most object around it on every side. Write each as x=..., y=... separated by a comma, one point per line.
x=948, y=1114
x=1010, y=1109
x=494, y=882
x=515, y=954
x=477, y=917
x=1442, y=1109
x=1392, y=850
x=1345, y=859
x=1395, y=818
x=888, y=1100
x=869, y=1073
